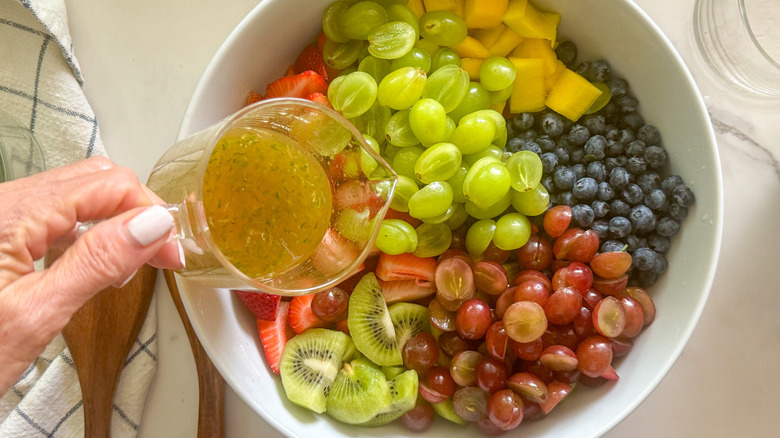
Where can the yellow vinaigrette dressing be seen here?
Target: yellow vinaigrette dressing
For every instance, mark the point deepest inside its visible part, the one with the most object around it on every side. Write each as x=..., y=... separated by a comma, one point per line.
x=267, y=201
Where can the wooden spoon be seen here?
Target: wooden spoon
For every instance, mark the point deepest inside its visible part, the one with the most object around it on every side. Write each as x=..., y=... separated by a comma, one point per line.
x=99, y=336
x=211, y=385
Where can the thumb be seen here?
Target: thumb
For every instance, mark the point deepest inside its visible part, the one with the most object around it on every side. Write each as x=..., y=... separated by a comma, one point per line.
x=108, y=254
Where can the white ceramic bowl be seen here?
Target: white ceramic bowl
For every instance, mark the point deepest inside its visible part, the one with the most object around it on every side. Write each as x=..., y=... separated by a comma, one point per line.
x=268, y=40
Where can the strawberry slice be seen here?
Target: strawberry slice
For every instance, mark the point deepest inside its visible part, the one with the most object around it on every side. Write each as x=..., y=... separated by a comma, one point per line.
x=300, y=85
x=310, y=58
x=274, y=335
x=321, y=40
x=320, y=98
x=335, y=253
x=406, y=266
x=301, y=316
x=291, y=71
x=406, y=290
x=262, y=305
x=253, y=97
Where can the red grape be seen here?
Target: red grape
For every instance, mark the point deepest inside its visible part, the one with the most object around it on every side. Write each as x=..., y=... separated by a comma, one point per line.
x=609, y=317
x=556, y=391
x=490, y=374
x=527, y=350
x=463, y=366
x=330, y=305
x=563, y=306
x=635, y=316
x=576, y=245
x=594, y=355
x=525, y=321
x=536, y=253
x=528, y=385
x=421, y=352
x=470, y=403
x=505, y=409
x=437, y=385
x=496, y=340
x=557, y=220
x=490, y=277
x=611, y=264
x=452, y=344
x=532, y=290
x=454, y=279
x=440, y=317
x=648, y=306
x=419, y=418
x=611, y=286
x=558, y=358
x=473, y=319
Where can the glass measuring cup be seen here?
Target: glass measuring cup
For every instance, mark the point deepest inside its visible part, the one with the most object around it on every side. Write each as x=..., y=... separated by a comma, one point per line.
x=285, y=196
x=20, y=153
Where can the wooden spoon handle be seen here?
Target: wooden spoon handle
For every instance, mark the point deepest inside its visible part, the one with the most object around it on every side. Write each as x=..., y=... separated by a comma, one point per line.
x=211, y=385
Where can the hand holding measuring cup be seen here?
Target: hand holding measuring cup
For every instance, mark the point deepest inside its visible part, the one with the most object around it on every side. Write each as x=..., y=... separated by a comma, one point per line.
x=285, y=196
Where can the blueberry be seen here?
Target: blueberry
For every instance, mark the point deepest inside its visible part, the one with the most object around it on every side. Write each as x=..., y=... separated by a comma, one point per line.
x=656, y=157
x=636, y=148
x=599, y=71
x=670, y=182
x=566, y=53
x=619, y=178
x=656, y=200
x=644, y=259
x=618, y=87
x=660, y=264
x=658, y=243
x=566, y=198
x=596, y=170
x=585, y=189
x=596, y=147
x=643, y=278
x=577, y=155
x=612, y=246
x=633, y=241
x=618, y=207
x=582, y=215
x=611, y=163
x=595, y=124
x=562, y=154
x=649, y=134
x=601, y=227
x=627, y=104
x=532, y=146
x=642, y=218
x=545, y=142
x=667, y=227
x=649, y=181
x=578, y=135
x=523, y=121
x=619, y=227
x=632, y=194
x=683, y=195
x=564, y=178
x=579, y=170
x=551, y=125
x=606, y=192
x=514, y=144
x=614, y=148
x=632, y=120
x=549, y=185
x=636, y=165
x=600, y=208
x=528, y=134
x=677, y=212
x=627, y=135
x=549, y=161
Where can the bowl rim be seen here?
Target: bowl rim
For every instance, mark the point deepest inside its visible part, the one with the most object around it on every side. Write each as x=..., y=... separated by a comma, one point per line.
x=187, y=128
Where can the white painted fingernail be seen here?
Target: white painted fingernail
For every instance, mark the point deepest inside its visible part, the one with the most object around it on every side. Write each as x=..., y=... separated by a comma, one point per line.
x=150, y=225
x=182, y=259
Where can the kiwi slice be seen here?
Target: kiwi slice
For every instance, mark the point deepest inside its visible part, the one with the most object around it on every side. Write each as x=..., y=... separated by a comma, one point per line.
x=370, y=325
x=403, y=396
x=408, y=320
x=359, y=392
x=309, y=365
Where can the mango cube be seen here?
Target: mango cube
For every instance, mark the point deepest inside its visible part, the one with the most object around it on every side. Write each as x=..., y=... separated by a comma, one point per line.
x=537, y=48
x=488, y=36
x=484, y=13
x=417, y=7
x=528, y=22
x=470, y=47
x=572, y=95
x=506, y=42
x=528, y=89
x=440, y=5
x=472, y=65
x=551, y=79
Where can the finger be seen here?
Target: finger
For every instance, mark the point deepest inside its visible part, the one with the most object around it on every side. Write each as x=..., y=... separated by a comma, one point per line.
x=90, y=165
x=170, y=256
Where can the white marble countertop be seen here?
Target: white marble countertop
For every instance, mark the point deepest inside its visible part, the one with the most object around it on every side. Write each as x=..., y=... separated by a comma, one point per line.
x=142, y=59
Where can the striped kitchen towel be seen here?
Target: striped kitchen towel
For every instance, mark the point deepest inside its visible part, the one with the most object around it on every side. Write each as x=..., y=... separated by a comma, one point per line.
x=40, y=85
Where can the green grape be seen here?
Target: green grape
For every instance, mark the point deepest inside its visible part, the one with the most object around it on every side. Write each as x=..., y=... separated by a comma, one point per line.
x=501, y=138
x=428, y=121
x=456, y=181
x=444, y=56
x=401, y=88
x=433, y=239
x=367, y=161
x=330, y=22
x=531, y=203
x=497, y=73
x=403, y=162
x=448, y=85
x=490, y=151
x=500, y=96
x=341, y=55
x=444, y=28
x=346, y=71
x=398, y=131
x=377, y=68
x=373, y=121
x=355, y=94
x=400, y=12
x=431, y=200
x=525, y=169
x=487, y=182
x=440, y=219
x=396, y=237
x=354, y=225
x=392, y=40
x=497, y=117
x=474, y=133
x=389, y=151
x=416, y=57
x=438, y=163
x=334, y=85
x=479, y=236
x=490, y=211
x=361, y=18
x=602, y=100
x=372, y=142
x=388, y=3
x=405, y=187
x=450, y=128
x=363, y=53
x=512, y=231
x=476, y=98
x=459, y=216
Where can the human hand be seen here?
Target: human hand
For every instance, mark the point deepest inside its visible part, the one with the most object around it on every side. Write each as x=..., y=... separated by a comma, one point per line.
x=41, y=212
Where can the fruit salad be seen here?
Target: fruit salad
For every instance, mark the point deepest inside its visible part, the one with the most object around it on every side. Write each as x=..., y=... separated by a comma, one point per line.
x=532, y=215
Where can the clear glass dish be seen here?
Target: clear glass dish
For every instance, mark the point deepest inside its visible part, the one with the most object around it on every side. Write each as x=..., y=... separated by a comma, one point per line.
x=20, y=153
